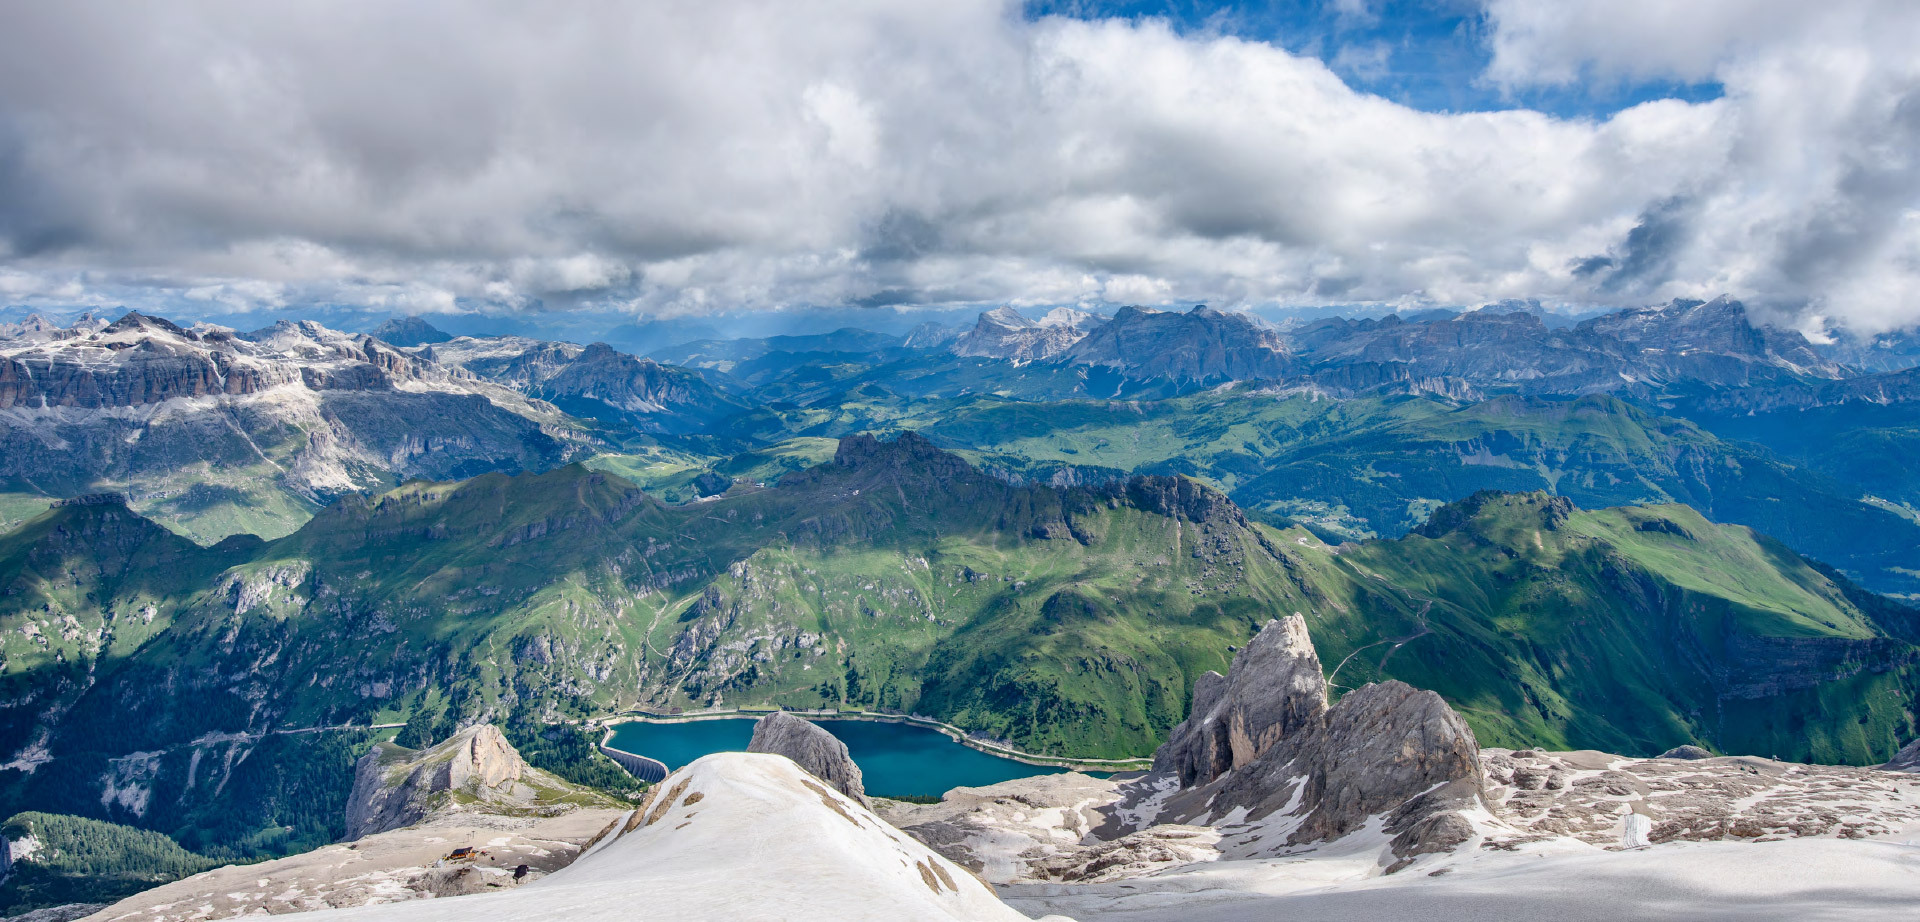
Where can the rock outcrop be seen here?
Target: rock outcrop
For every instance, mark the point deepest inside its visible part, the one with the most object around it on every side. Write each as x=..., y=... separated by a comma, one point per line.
x=1615, y=802
x=1267, y=762
x=1277, y=691
x=404, y=865
x=1027, y=829
x=1689, y=752
x=821, y=753
x=477, y=771
x=1906, y=760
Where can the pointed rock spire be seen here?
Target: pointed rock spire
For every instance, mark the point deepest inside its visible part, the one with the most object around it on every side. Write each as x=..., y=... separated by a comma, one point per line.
x=1274, y=689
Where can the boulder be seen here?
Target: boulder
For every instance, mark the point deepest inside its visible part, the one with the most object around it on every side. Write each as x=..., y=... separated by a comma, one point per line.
x=1686, y=752
x=821, y=753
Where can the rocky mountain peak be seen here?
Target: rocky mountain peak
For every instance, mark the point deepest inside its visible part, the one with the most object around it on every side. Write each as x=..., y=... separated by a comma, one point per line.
x=907, y=453
x=1068, y=317
x=1180, y=497
x=931, y=335
x=408, y=332
x=1274, y=688
x=601, y=352
x=1202, y=344
x=37, y=324
x=1004, y=333
x=1906, y=760
x=822, y=754
x=1005, y=318
x=134, y=321
x=1261, y=742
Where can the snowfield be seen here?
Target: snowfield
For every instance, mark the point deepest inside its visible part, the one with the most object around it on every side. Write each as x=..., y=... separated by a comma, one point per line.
x=1796, y=879
x=735, y=836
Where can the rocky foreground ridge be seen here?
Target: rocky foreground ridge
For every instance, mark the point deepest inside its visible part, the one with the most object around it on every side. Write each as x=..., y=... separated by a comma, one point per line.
x=1262, y=767
x=1267, y=796
x=466, y=816
x=1266, y=789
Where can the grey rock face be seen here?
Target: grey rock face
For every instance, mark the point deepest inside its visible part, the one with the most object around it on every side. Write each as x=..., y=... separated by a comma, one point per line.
x=65, y=913
x=596, y=380
x=931, y=335
x=821, y=753
x=1686, y=752
x=1906, y=760
x=395, y=787
x=1275, y=689
x=1199, y=345
x=1002, y=333
x=1263, y=743
x=321, y=413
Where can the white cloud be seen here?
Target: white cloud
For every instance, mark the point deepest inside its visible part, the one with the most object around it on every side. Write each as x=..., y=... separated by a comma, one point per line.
x=1816, y=200
x=676, y=158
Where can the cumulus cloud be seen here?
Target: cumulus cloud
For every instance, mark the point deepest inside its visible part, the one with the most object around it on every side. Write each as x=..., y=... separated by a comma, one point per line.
x=1814, y=201
x=671, y=158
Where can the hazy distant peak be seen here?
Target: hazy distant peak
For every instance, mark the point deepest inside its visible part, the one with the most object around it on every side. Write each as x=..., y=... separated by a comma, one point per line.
x=406, y=332
x=1004, y=333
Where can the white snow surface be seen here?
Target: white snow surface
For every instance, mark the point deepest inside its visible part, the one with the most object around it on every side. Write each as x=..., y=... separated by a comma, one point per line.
x=1794, y=879
x=742, y=836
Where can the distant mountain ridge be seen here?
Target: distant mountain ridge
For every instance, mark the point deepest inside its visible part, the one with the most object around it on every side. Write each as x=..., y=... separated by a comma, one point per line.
x=1684, y=344
x=593, y=381
x=407, y=332
x=1004, y=333
x=222, y=432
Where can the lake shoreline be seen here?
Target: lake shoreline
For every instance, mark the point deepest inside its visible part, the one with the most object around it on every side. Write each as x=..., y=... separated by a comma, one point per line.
x=952, y=732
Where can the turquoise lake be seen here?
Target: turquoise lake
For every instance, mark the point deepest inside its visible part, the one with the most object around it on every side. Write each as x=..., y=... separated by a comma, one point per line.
x=895, y=759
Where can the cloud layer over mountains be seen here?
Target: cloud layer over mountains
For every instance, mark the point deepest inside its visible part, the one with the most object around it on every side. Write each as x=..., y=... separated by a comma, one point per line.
x=684, y=157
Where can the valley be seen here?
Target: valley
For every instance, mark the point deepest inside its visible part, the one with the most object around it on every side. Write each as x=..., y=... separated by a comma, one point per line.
x=976, y=461
x=1051, y=555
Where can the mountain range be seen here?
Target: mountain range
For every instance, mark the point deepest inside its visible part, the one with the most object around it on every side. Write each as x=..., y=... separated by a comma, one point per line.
x=146, y=678
x=1353, y=427
x=232, y=562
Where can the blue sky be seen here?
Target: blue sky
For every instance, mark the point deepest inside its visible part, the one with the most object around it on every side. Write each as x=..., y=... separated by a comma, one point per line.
x=1427, y=54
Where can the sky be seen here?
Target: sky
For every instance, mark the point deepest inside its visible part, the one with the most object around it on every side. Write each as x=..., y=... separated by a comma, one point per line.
x=706, y=159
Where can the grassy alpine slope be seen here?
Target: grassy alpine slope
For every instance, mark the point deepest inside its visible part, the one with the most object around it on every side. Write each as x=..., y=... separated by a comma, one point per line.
x=1629, y=630
x=1378, y=466
x=1067, y=620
